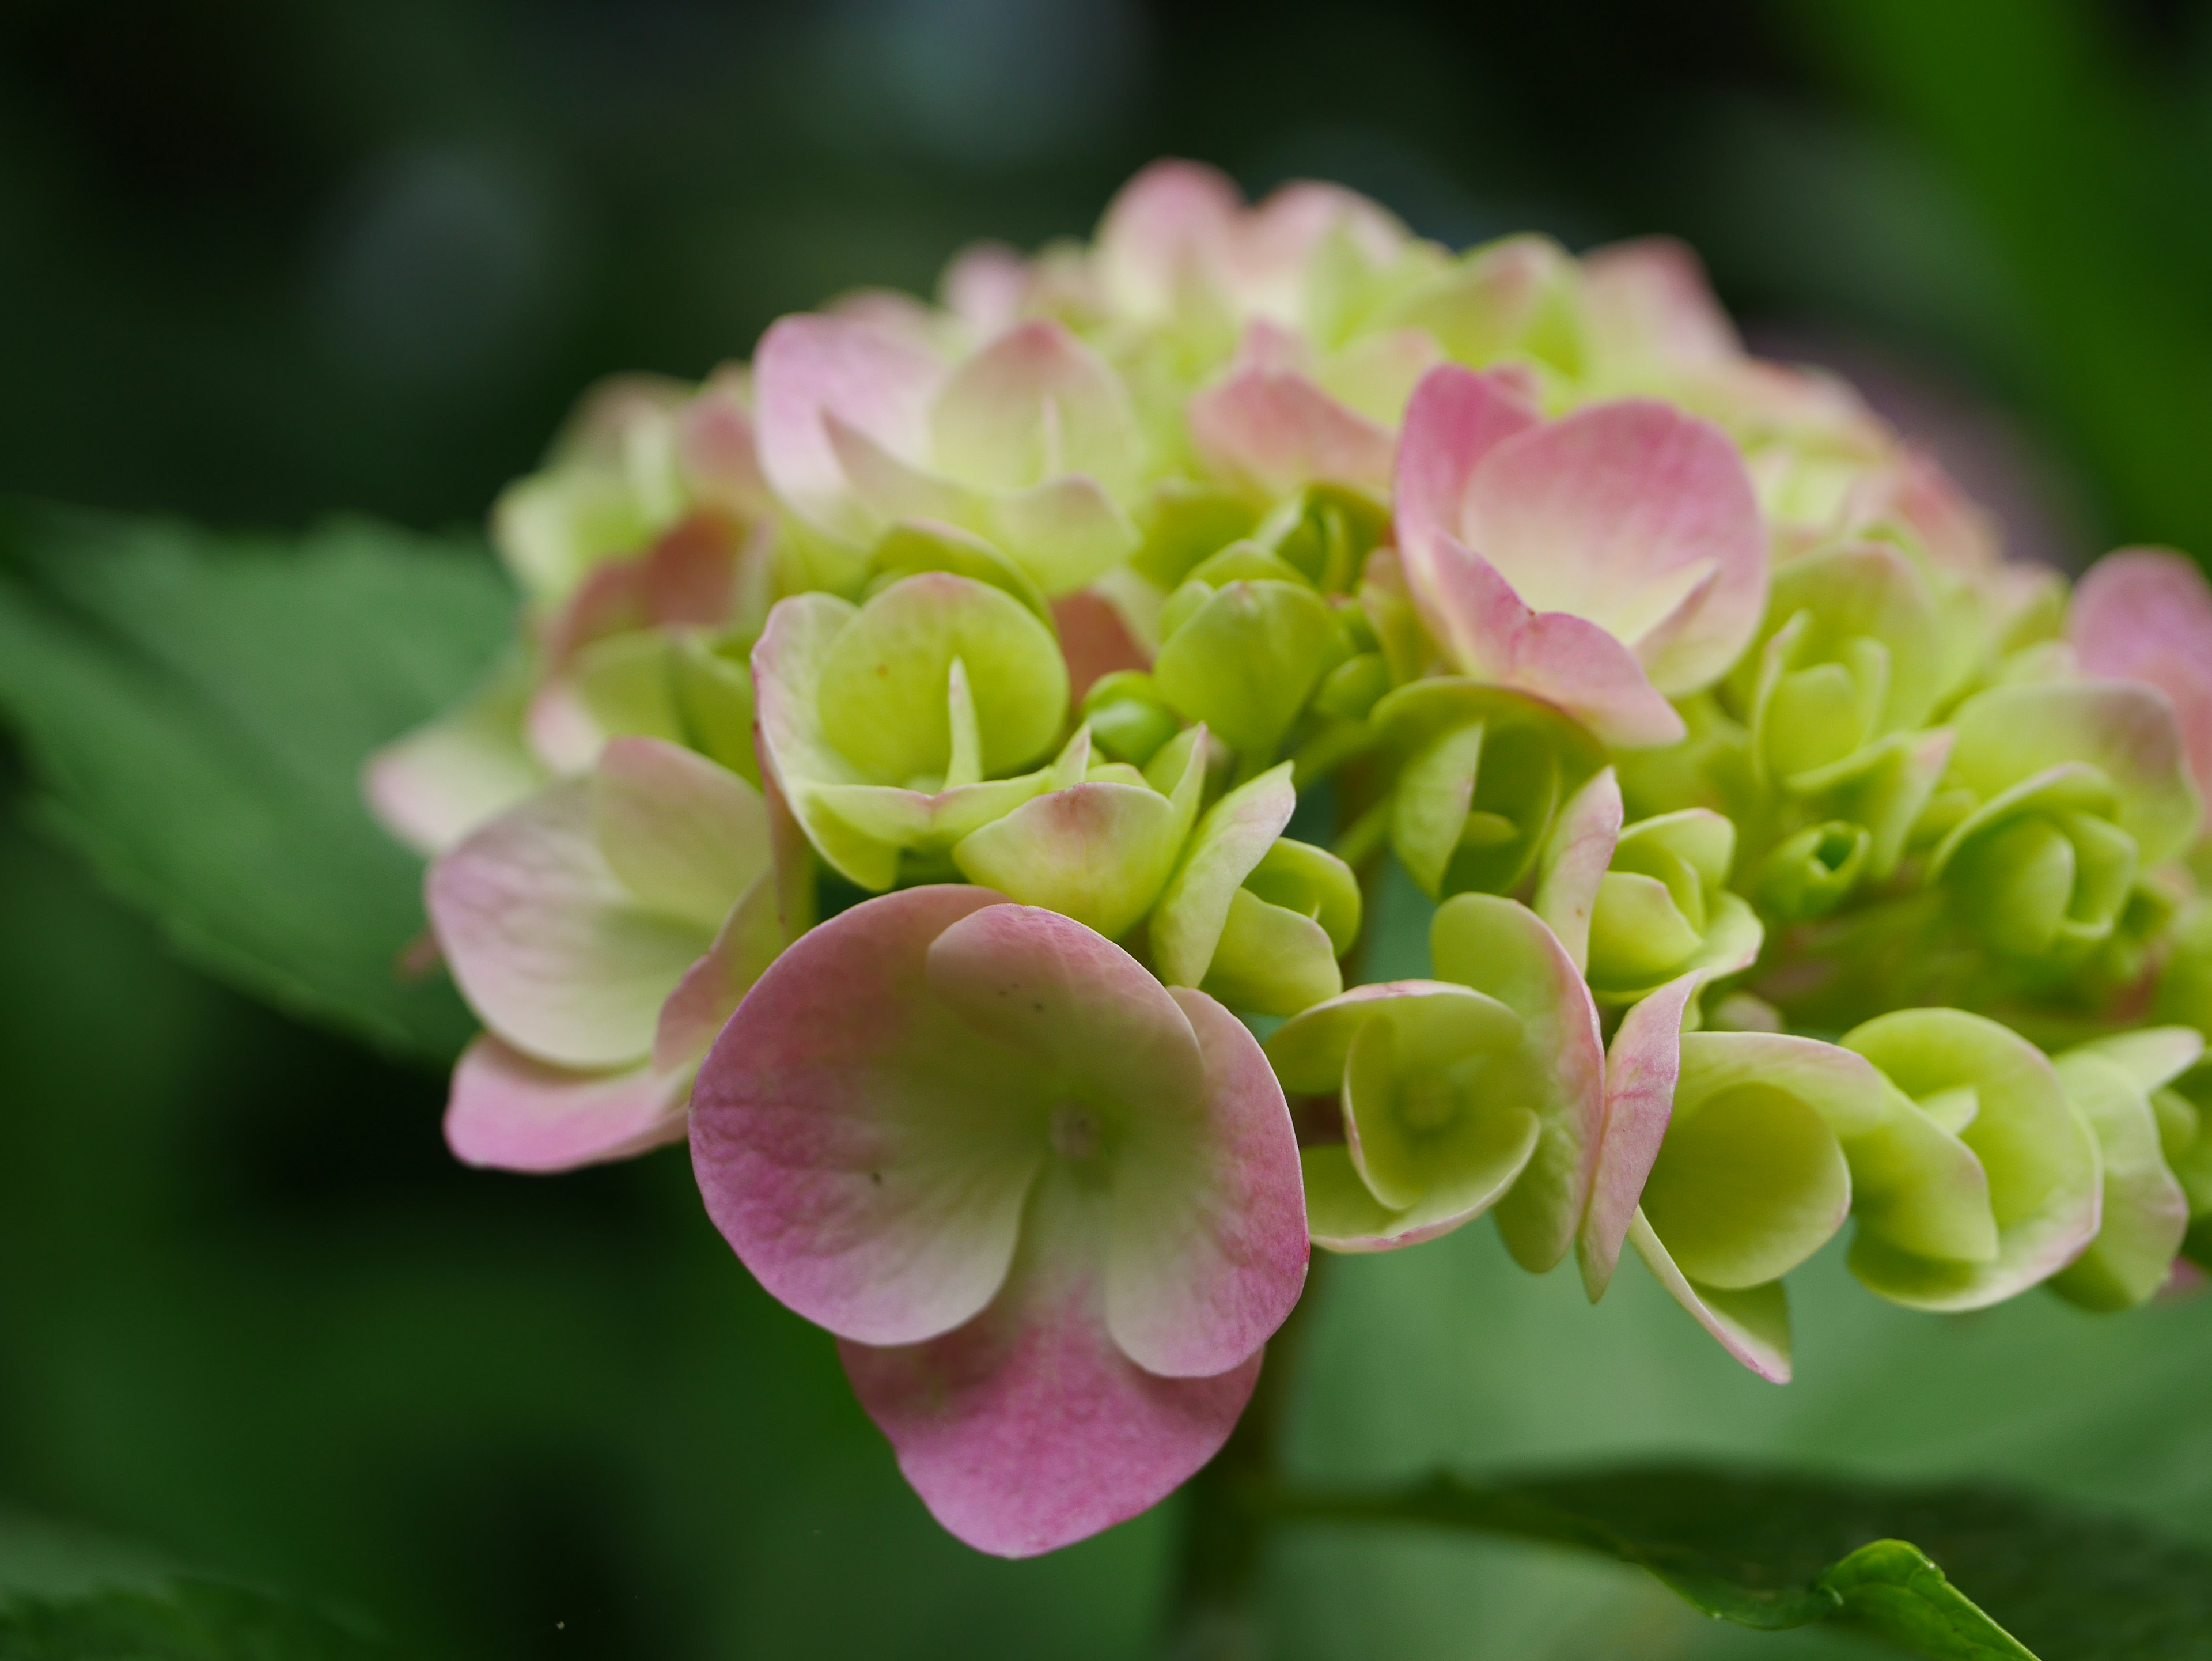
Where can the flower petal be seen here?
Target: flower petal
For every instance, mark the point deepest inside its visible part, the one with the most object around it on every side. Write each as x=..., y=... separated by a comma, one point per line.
x=1309, y=1050
x=1208, y=1249
x=685, y=836
x=1274, y=429
x=1036, y=403
x=1637, y=517
x=1166, y=231
x=1502, y=948
x=1641, y=1070
x=511, y=1113
x=1751, y=1325
x=1649, y=302
x=1231, y=840
x=2146, y=614
x=547, y=943
x=1028, y=1428
x=810, y=367
x=1080, y=1011
x=865, y=1150
x=435, y=785
x=1576, y=854
x=1571, y=663
x=711, y=989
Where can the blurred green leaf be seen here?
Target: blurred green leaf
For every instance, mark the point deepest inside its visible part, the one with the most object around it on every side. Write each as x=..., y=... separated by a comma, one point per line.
x=186, y=1619
x=195, y=708
x=1775, y=1552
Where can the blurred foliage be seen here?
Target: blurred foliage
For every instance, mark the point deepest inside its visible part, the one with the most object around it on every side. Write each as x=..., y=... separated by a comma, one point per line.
x=263, y=261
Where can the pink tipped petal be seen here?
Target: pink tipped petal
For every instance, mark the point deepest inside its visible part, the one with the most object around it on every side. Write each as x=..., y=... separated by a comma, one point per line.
x=1576, y=856
x=511, y=1113
x=1637, y=517
x=547, y=943
x=872, y=382
x=1167, y=230
x=2146, y=614
x=1753, y=1324
x=1501, y=947
x=1080, y=1011
x=1641, y=1070
x=1209, y=1249
x=711, y=989
x=1232, y=839
x=1455, y=418
x=865, y=1151
x=1568, y=661
x=1648, y=301
x=986, y=286
x=685, y=836
x=1275, y=430
x=1028, y=1428
x=716, y=447
x=1035, y=404
x=438, y=783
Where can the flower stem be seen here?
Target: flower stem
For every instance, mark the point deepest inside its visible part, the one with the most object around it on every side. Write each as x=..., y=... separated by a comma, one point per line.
x=1215, y=1614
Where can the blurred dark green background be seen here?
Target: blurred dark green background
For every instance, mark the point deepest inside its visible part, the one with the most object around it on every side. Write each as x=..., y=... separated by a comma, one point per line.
x=260, y=261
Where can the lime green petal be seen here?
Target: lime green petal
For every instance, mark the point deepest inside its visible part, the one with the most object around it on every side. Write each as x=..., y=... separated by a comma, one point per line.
x=1749, y=1183
x=1308, y=1051
x=2145, y=1212
x=1229, y=841
x=1246, y=662
x=882, y=689
x=1752, y=1324
x=2041, y=1160
x=1314, y=883
x=1271, y=961
x=1098, y=853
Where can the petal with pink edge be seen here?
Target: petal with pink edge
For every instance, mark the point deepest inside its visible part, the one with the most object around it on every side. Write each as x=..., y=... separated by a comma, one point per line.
x=1273, y=430
x=686, y=837
x=511, y=1113
x=1208, y=1246
x=1083, y=1015
x=1231, y=840
x=434, y=785
x=1753, y=1324
x=711, y=989
x=1455, y=418
x=865, y=1150
x=548, y=945
x=1640, y=1074
x=1035, y=404
x=1166, y=232
x=1501, y=947
x=811, y=367
x=1636, y=517
x=1648, y=302
x=1568, y=661
x=2146, y=614
x=1576, y=854
x=1028, y=1428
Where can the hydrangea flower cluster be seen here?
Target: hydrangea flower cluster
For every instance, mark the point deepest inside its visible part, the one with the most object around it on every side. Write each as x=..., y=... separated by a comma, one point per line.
x=893, y=790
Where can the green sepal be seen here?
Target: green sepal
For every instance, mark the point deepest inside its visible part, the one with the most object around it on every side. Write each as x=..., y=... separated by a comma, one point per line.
x=1809, y=874
x=1182, y=523
x=1484, y=772
x=2145, y=1214
x=2002, y=1100
x=1247, y=659
x=913, y=545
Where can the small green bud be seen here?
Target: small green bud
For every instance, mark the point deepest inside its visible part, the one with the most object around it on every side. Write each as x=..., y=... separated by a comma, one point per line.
x=1126, y=716
x=1807, y=875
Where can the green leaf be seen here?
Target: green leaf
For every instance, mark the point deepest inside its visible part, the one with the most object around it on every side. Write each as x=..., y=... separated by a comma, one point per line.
x=1779, y=1551
x=186, y=1619
x=196, y=710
